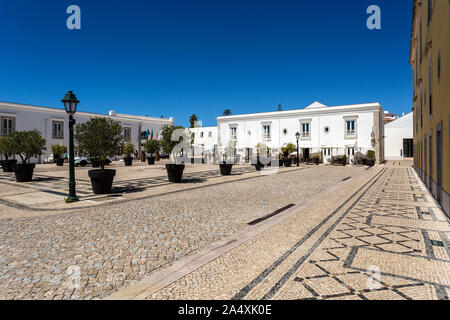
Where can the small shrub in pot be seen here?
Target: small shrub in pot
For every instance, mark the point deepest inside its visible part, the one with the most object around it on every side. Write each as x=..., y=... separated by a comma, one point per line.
x=152, y=147
x=100, y=138
x=6, y=149
x=59, y=151
x=26, y=144
x=128, y=150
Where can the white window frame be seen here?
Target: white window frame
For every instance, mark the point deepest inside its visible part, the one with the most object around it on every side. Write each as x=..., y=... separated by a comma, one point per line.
x=127, y=136
x=267, y=134
x=305, y=135
x=58, y=133
x=233, y=133
x=351, y=134
x=9, y=130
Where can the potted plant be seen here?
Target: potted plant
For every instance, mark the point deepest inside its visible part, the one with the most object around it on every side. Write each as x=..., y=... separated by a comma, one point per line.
x=316, y=159
x=6, y=149
x=58, y=151
x=174, y=170
x=287, y=150
x=226, y=165
x=100, y=138
x=371, y=156
x=128, y=149
x=152, y=147
x=260, y=148
x=26, y=144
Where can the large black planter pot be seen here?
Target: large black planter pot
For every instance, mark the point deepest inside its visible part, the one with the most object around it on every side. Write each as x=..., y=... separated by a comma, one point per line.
x=151, y=160
x=316, y=161
x=175, y=172
x=59, y=162
x=280, y=163
x=24, y=172
x=128, y=161
x=225, y=169
x=102, y=180
x=288, y=163
x=259, y=166
x=7, y=165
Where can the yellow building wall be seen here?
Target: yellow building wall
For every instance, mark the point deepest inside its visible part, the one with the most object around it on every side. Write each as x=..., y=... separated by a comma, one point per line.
x=435, y=42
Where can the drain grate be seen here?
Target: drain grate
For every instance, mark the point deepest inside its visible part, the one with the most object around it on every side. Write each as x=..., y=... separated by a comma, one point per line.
x=252, y=223
x=437, y=243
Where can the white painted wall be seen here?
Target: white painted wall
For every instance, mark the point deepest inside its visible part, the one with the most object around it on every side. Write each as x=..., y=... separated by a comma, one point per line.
x=250, y=128
x=395, y=132
x=209, y=139
x=40, y=118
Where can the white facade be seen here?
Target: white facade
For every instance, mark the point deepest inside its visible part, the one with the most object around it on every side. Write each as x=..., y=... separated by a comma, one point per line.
x=396, y=135
x=330, y=130
x=205, y=137
x=54, y=123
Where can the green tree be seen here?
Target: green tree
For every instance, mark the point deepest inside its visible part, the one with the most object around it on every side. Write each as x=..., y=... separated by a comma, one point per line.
x=227, y=112
x=152, y=146
x=58, y=150
x=6, y=147
x=99, y=138
x=27, y=144
x=193, y=119
x=167, y=144
x=288, y=149
x=128, y=149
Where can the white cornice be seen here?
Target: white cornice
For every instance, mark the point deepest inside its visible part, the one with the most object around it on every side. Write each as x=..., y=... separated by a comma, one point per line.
x=62, y=112
x=303, y=112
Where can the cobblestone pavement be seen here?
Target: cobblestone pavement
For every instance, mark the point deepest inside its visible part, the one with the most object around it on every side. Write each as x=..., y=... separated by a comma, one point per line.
x=382, y=237
x=94, y=252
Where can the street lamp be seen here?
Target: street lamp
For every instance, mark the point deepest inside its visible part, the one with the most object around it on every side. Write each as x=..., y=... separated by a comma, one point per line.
x=70, y=104
x=297, y=136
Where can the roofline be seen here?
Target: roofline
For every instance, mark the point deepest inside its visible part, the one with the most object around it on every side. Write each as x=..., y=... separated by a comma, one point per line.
x=301, y=111
x=57, y=110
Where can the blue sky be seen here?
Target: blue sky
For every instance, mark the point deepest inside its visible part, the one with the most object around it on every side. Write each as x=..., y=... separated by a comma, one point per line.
x=175, y=58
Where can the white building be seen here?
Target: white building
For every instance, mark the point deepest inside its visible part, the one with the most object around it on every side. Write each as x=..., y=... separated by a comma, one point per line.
x=399, y=136
x=205, y=137
x=332, y=131
x=54, y=124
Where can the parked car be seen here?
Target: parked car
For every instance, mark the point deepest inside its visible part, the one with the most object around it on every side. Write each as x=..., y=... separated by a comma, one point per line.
x=84, y=161
x=164, y=156
x=51, y=158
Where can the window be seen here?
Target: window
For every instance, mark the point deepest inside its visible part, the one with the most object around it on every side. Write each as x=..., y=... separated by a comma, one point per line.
x=420, y=36
x=326, y=152
x=58, y=129
x=430, y=11
x=201, y=134
x=8, y=126
x=439, y=67
x=421, y=110
x=350, y=128
x=127, y=133
x=210, y=134
x=430, y=153
x=430, y=82
x=266, y=130
x=305, y=130
x=233, y=133
x=326, y=130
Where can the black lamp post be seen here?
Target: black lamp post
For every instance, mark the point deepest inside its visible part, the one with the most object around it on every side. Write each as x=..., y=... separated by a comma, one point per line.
x=297, y=136
x=70, y=104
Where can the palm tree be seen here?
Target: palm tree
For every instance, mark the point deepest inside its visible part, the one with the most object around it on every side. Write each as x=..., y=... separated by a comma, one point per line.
x=193, y=119
x=227, y=112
